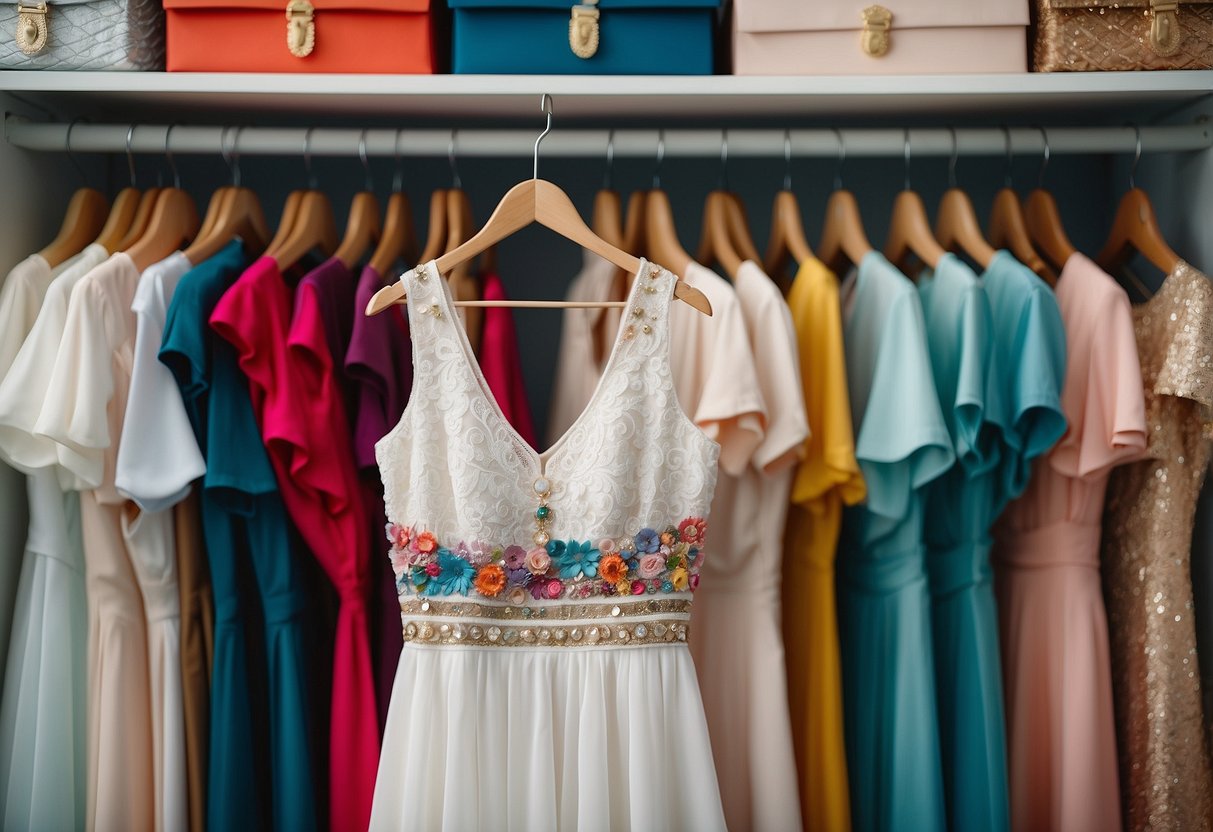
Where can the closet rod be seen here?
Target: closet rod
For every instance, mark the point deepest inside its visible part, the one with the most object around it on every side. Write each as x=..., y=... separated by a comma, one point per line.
x=582, y=143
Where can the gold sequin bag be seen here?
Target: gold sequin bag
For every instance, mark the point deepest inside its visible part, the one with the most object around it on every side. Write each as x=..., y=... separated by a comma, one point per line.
x=1086, y=35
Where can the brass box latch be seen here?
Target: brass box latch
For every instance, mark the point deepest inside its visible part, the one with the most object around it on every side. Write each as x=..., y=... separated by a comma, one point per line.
x=877, y=23
x=583, y=29
x=1165, y=35
x=31, y=28
x=300, y=28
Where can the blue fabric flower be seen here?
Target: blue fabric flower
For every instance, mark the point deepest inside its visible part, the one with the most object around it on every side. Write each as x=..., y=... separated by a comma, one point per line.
x=419, y=576
x=555, y=549
x=647, y=541
x=576, y=559
x=666, y=586
x=454, y=575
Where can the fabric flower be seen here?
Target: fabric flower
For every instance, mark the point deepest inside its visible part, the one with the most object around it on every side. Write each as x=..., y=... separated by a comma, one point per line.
x=639, y=587
x=432, y=569
x=692, y=530
x=577, y=559
x=419, y=577
x=400, y=561
x=666, y=586
x=608, y=546
x=538, y=561
x=647, y=541
x=694, y=581
x=613, y=569
x=651, y=566
x=555, y=588
x=679, y=579
x=539, y=589
x=517, y=596
x=479, y=553
x=426, y=543
x=667, y=539
x=399, y=535
x=490, y=580
x=518, y=577
x=515, y=557
x=454, y=576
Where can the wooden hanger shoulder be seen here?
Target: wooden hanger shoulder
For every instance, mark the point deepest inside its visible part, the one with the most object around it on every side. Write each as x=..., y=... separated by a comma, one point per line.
x=910, y=233
x=1135, y=228
x=843, y=238
x=173, y=223
x=83, y=220
x=1044, y=226
x=957, y=230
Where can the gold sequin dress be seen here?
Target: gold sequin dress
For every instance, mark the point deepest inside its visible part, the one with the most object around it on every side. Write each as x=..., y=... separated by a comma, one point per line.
x=1165, y=769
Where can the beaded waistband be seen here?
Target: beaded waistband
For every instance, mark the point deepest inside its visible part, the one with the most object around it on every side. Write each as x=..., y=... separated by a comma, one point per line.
x=495, y=595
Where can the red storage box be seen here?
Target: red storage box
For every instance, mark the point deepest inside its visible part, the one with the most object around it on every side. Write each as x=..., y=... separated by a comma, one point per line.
x=370, y=36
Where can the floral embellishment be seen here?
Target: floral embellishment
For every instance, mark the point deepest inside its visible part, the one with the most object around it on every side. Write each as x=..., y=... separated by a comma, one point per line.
x=574, y=559
x=645, y=563
x=613, y=569
x=538, y=561
x=490, y=580
x=647, y=541
x=691, y=531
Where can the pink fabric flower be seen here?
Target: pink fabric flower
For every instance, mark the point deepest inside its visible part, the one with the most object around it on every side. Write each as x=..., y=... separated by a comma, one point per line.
x=638, y=587
x=431, y=569
x=400, y=560
x=554, y=588
x=694, y=581
x=479, y=553
x=517, y=596
x=538, y=561
x=651, y=565
x=608, y=546
x=515, y=557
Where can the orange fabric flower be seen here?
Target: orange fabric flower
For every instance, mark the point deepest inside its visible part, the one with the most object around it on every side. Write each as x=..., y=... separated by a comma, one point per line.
x=426, y=542
x=612, y=569
x=490, y=580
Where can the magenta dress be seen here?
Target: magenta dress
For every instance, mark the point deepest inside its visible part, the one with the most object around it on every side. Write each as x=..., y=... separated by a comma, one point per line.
x=501, y=363
x=1060, y=725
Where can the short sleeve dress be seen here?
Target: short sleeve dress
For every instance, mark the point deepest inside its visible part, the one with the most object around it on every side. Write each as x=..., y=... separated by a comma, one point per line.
x=1060, y=725
x=737, y=637
x=884, y=619
x=827, y=479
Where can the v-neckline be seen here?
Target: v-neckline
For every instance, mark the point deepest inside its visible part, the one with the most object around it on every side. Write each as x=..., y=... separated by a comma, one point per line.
x=539, y=460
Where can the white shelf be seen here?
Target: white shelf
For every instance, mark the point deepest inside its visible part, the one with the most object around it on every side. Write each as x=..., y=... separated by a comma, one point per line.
x=195, y=96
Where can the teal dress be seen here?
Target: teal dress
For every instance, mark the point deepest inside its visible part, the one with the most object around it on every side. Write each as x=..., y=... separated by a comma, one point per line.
x=884, y=622
x=261, y=772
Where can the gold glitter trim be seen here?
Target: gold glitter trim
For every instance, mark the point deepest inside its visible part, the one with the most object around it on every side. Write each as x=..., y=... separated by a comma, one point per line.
x=622, y=608
x=542, y=635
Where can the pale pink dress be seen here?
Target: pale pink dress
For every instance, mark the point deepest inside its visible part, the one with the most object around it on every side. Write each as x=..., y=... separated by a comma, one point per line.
x=1060, y=726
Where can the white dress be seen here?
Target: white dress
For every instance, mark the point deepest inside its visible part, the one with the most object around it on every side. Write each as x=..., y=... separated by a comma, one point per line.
x=43, y=711
x=545, y=682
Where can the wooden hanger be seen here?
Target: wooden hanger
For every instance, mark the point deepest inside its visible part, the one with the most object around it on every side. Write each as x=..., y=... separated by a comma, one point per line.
x=787, y=240
x=436, y=236
x=956, y=226
x=313, y=229
x=536, y=201
x=909, y=229
x=121, y=215
x=86, y=215
x=843, y=239
x=1043, y=220
x=739, y=228
x=660, y=233
x=1135, y=229
x=239, y=215
x=173, y=223
x=396, y=242
x=362, y=227
x=715, y=242
x=1009, y=230
x=143, y=216
x=606, y=217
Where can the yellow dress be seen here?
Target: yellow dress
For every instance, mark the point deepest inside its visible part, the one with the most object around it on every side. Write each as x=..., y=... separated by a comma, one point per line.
x=828, y=478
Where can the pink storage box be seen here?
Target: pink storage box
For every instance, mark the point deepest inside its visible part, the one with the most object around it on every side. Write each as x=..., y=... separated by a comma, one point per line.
x=894, y=37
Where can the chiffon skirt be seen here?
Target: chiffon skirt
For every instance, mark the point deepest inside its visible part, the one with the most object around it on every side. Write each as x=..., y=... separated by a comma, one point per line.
x=44, y=708
x=533, y=740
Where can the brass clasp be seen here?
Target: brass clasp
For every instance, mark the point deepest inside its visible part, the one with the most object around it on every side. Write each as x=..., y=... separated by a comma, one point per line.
x=300, y=28
x=31, y=28
x=583, y=29
x=1165, y=34
x=877, y=23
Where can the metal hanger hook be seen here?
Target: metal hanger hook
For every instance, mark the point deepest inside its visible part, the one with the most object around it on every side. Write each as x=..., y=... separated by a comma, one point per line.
x=610, y=161
x=168, y=156
x=906, y=151
x=660, y=159
x=366, y=164
x=1010, y=163
x=312, y=181
x=787, y=160
x=130, y=158
x=955, y=156
x=456, y=182
x=545, y=106
x=724, y=160
x=842, y=157
x=232, y=156
x=398, y=171
x=1136, y=158
x=72, y=156
x=1044, y=162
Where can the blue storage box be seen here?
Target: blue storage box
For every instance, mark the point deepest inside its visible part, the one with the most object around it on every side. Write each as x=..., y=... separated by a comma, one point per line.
x=596, y=37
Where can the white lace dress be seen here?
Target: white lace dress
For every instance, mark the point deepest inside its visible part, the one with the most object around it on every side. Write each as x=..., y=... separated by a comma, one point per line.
x=545, y=681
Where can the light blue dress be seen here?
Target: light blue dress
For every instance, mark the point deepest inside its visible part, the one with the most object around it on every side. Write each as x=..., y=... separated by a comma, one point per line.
x=892, y=735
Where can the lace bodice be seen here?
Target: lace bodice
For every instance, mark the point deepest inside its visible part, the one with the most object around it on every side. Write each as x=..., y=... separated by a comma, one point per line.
x=632, y=460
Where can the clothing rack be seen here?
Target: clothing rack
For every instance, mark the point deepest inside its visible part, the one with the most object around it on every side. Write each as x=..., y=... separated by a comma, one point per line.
x=590, y=143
